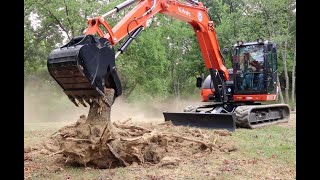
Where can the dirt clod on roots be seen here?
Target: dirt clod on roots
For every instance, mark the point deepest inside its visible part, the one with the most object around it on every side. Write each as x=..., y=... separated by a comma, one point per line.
x=95, y=140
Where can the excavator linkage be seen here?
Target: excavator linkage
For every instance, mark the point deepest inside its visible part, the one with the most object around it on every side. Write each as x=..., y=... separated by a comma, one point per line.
x=202, y=120
x=84, y=67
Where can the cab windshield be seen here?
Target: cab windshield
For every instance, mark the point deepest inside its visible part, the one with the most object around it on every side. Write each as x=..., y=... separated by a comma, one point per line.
x=251, y=58
x=250, y=68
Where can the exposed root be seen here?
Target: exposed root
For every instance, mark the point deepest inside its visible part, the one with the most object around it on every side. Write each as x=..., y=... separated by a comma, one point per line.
x=189, y=139
x=215, y=139
x=75, y=139
x=129, y=119
x=49, y=148
x=58, y=152
x=116, y=154
x=123, y=126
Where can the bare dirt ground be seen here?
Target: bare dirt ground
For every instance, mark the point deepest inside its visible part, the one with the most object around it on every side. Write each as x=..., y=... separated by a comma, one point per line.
x=264, y=153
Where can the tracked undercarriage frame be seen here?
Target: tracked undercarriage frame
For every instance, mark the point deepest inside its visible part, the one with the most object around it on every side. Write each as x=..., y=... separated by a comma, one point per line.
x=243, y=115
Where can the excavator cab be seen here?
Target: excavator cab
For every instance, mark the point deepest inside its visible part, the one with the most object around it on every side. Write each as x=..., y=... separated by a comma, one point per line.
x=255, y=68
x=252, y=80
x=254, y=71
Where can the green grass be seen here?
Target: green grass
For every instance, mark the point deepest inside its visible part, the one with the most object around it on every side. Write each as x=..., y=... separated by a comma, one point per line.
x=268, y=142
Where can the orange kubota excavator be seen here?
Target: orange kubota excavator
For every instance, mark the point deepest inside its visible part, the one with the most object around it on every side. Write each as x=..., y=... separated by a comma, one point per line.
x=85, y=66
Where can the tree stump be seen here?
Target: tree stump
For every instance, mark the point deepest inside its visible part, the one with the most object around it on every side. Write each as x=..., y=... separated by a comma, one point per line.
x=97, y=141
x=93, y=139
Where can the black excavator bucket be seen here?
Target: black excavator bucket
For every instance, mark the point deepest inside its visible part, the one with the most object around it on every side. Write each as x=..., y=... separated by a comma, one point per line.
x=202, y=120
x=84, y=67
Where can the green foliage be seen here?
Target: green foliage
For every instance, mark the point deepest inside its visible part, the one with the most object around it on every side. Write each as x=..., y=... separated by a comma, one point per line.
x=165, y=59
x=161, y=62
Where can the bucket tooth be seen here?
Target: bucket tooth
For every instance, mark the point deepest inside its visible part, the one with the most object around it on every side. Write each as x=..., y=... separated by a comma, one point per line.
x=73, y=100
x=82, y=102
x=87, y=100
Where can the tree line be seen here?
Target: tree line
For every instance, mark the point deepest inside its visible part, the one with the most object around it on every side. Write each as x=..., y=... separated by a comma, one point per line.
x=165, y=59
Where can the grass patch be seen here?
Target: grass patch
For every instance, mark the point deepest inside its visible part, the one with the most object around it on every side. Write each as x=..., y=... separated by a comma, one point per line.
x=268, y=142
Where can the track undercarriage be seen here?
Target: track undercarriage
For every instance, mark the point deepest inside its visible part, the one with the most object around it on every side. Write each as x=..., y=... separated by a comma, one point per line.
x=254, y=116
x=232, y=116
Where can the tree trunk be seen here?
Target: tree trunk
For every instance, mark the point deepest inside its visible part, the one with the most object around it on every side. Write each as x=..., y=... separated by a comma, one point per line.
x=293, y=80
x=99, y=110
x=92, y=139
x=280, y=91
x=285, y=69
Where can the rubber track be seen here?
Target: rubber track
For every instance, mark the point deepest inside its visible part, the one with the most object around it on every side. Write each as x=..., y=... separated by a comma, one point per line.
x=242, y=115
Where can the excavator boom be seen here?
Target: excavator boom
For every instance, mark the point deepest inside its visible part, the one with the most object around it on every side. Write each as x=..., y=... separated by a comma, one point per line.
x=85, y=67
x=196, y=14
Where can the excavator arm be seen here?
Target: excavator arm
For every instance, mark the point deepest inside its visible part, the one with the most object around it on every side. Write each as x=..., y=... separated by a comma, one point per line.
x=195, y=14
x=94, y=58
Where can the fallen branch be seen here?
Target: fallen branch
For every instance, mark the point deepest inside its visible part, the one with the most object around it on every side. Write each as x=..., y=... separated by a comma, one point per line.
x=48, y=148
x=123, y=126
x=58, y=152
x=131, y=139
x=76, y=139
x=129, y=119
x=165, y=123
x=188, y=139
x=54, y=133
x=215, y=139
x=203, y=135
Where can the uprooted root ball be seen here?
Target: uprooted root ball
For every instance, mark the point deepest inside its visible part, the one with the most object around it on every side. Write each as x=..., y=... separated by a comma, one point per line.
x=97, y=141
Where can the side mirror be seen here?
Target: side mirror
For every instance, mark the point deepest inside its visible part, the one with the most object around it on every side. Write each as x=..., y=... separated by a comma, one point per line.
x=199, y=82
x=225, y=51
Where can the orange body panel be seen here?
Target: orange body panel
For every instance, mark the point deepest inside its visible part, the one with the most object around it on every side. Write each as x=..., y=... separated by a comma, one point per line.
x=205, y=94
x=245, y=97
x=255, y=97
x=196, y=15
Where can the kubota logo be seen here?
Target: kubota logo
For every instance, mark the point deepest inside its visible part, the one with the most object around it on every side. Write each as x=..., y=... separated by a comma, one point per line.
x=183, y=11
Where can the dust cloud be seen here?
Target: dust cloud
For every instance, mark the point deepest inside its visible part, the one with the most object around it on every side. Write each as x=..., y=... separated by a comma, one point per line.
x=36, y=110
x=148, y=112
x=50, y=104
